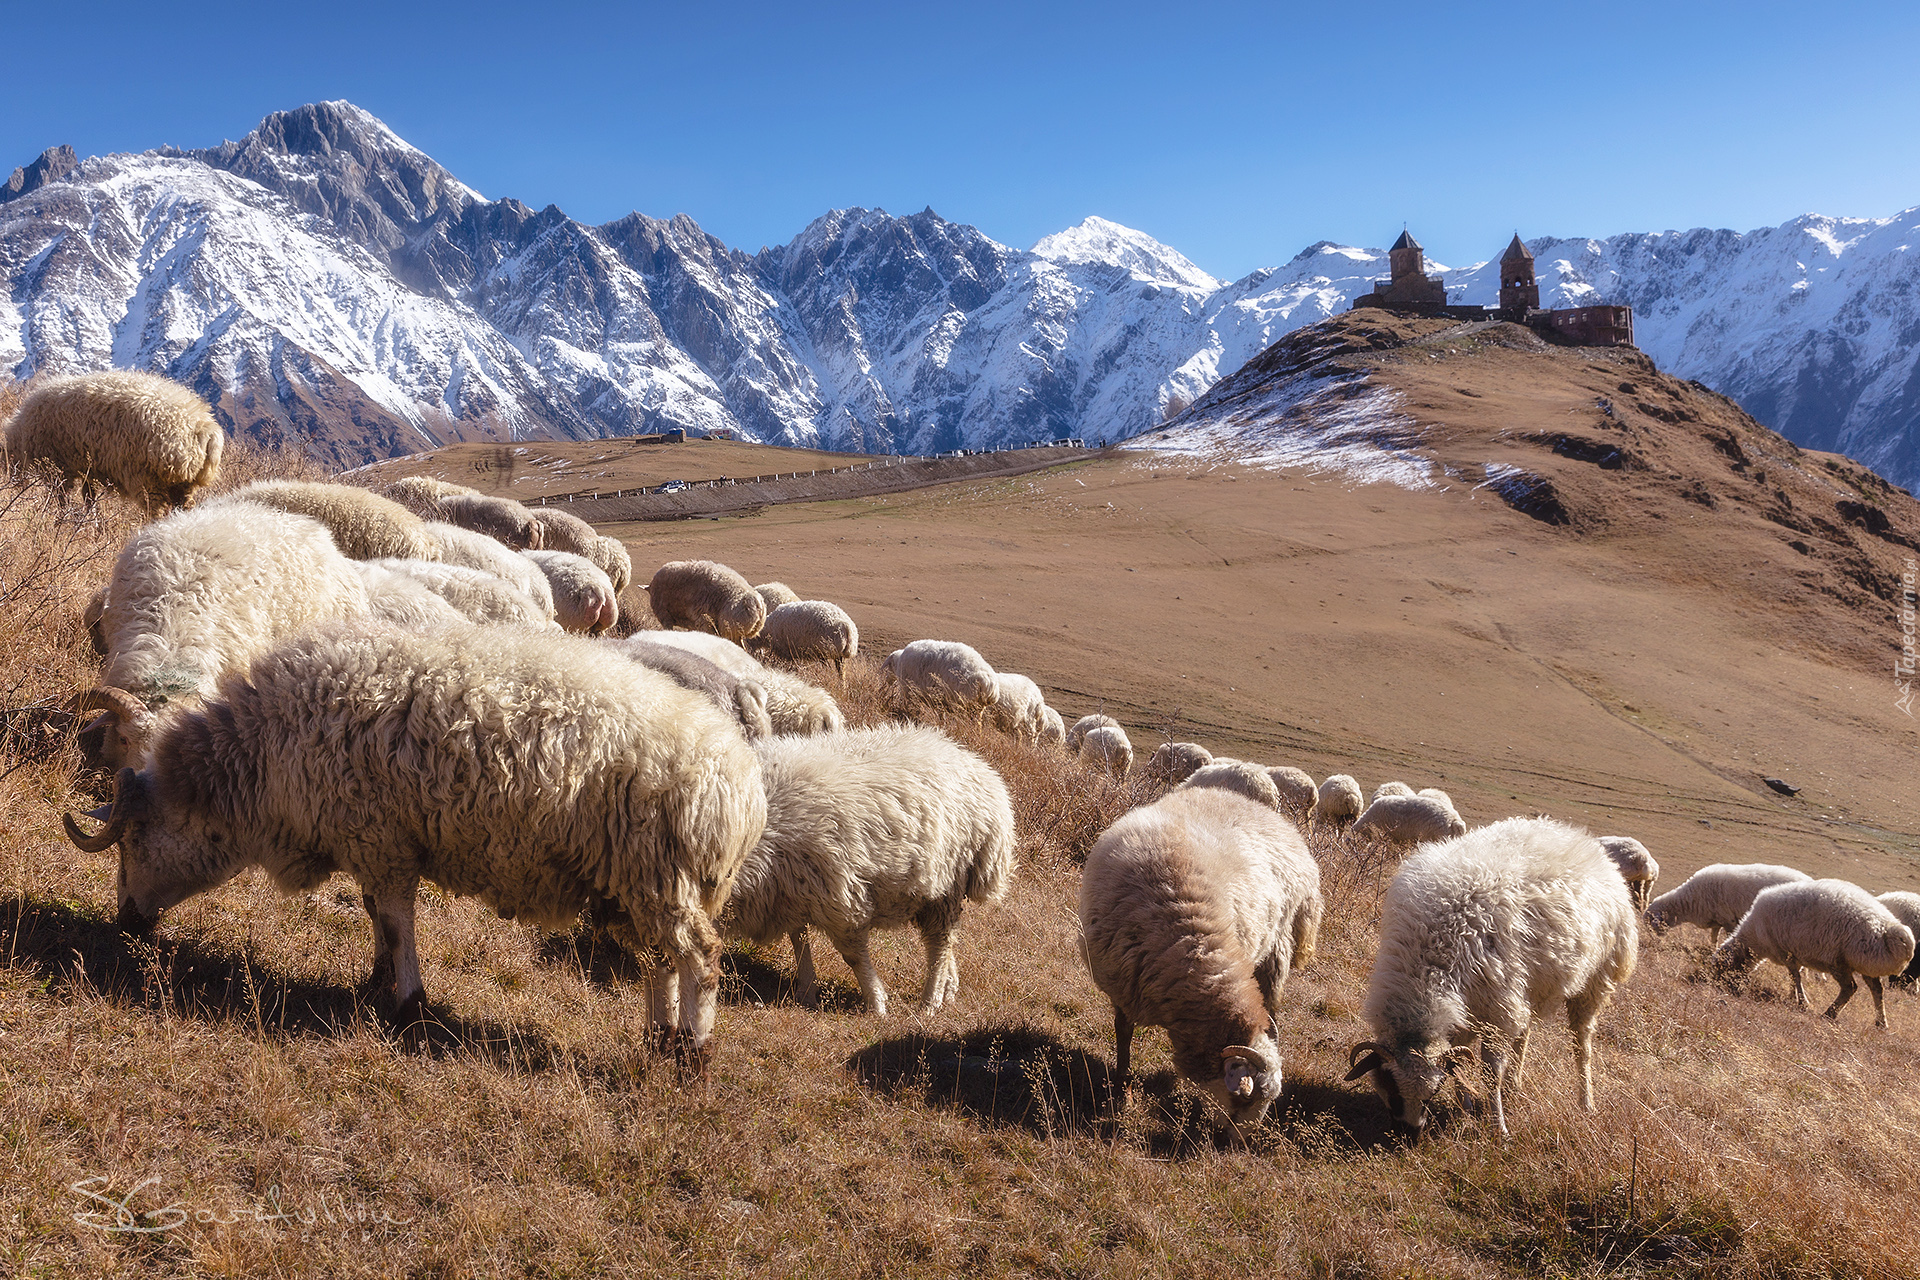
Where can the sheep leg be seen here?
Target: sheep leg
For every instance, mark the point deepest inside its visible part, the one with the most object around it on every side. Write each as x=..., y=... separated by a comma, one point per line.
x=1493, y=1063
x=936, y=921
x=854, y=951
x=806, y=983
x=1800, y=988
x=1583, y=1011
x=380, y=980
x=1123, y=1056
x=1847, y=987
x=1879, y=1005
x=1520, y=1056
x=1713, y=936
x=393, y=919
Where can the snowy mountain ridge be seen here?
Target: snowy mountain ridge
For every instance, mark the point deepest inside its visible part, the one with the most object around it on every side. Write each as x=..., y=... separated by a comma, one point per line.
x=324, y=280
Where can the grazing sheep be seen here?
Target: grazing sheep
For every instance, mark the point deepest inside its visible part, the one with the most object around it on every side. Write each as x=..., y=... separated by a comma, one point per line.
x=794, y=706
x=611, y=555
x=1296, y=788
x=943, y=674
x=1392, y=789
x=1480, y=935
x=1053, y=729
x=147, y=436
x=1637, y=866
x=536, y=771
x=1906, y=908
x=197, y=593
x=438, y=502
x=741, y=698
x=1716, y=897
x=775, y=594
x=564, y=531
x=1175, y=762
x=475, y=594
x=1086, y=724
x=1830, y=926
x=478, y=551
x=364, y=525
x=1244, y=779
x=1193, y=912
x=404, y=601
x=583, y=596
x=1408, y=819
x=702, y=595
x=874, y=829
x=1338, y=801
x=811, y=629
x=1107, y=747
x=1019, y=708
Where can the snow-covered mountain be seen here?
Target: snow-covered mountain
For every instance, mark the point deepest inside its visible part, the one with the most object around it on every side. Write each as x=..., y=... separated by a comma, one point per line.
x=321, y=279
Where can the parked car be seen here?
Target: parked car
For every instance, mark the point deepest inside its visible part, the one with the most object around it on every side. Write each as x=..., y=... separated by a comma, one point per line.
x=672, y=486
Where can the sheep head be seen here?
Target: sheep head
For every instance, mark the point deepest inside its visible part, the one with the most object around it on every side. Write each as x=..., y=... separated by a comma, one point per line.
x=167, y=852
x=1249, y=1079
x=117, y=736
x=1407, y=1078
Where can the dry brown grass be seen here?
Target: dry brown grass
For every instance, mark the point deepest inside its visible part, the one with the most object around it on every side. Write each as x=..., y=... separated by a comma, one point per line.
x=536, y=1134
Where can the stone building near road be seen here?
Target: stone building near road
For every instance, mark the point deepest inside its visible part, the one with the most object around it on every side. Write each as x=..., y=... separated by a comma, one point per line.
x=1412, y=290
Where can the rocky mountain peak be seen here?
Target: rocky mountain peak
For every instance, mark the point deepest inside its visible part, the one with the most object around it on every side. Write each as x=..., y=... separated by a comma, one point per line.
x=54, y=164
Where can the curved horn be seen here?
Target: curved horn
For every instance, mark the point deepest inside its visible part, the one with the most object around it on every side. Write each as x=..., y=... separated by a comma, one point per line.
x=1240, y=1051
x=116, y=816
x=125, y=707
x=1366, y=1046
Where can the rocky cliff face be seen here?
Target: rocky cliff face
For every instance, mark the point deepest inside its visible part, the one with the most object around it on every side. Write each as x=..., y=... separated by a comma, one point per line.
x=322, y=280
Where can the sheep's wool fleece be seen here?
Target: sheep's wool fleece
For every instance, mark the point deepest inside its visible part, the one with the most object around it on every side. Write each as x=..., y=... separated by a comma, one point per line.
x=867, y=826
x=364, y=525
x=139, y=431
x=1181, y=900
x=200, y=591
x=533, y=770
x=1494, y=927
x=1826, y=925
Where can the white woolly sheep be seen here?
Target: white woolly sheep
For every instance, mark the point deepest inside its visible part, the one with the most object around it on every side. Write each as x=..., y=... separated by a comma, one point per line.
x=475, y=594
x=816, y=630
x=1338, y=802
x=1019, y=708
x=943, y=674
x=404, y=601
x=1243, y=779
x=794, y=706
x=611, y=555
x=1085, y=724
x=364, y=525
x=1392, y=789
x=1193, y=912
x=1479, y=936
x=702, y=595
x=583, y=596
x=197, y=593
x=478, y=551
x=874, y=829
x=741, y=698
x=1408, y=819
x=1830, y=926
x=147, y=436
x=1175, y=762
x=1107, y=748
x=564, y=531
x=1716, y=897
x=775, y=594
x=1053, y=729
x=1637, y=866
x=1296, y=788
x=1435, y=793
x=1906, y=909
x=538, y=772
x=437, y=502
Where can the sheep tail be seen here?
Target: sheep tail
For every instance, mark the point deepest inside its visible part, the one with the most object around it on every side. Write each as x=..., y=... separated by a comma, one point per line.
x=991, y=870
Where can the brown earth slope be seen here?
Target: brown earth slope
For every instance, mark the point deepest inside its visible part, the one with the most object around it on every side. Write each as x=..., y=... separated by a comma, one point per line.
x=1716, y=608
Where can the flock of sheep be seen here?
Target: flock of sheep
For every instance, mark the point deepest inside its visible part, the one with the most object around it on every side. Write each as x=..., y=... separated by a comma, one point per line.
x=315, y=678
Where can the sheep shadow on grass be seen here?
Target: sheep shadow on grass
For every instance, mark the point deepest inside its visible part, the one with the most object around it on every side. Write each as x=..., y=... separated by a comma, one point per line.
x=1003, y=1075
x=175, y=974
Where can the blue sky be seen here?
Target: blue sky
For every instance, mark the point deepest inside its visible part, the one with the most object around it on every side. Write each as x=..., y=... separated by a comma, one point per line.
x=1237, y=133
